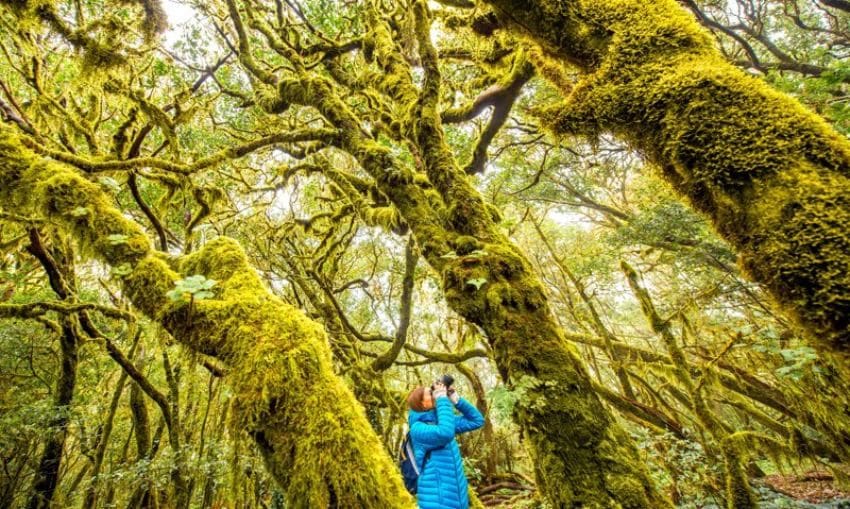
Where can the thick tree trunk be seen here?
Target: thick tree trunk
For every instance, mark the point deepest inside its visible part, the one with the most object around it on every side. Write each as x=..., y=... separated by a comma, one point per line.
x=314, y=435
x=584, y=458
x=773, y=177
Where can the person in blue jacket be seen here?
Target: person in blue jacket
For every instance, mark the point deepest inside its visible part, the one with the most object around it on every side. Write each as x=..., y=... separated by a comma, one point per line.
x=433, y=426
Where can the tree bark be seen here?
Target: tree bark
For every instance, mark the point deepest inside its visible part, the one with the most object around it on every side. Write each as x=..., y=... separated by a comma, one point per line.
x=773, y=177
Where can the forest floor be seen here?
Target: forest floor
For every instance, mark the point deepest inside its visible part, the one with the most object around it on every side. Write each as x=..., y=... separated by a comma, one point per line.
x=811, y=489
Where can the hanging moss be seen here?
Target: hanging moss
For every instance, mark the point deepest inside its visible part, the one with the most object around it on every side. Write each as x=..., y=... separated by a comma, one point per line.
x=156, y=21
x=771, y=175
x=738, y=492
x=315, y=438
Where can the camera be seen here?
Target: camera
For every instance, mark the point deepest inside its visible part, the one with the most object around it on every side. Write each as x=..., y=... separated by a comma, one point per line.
x=446, y=380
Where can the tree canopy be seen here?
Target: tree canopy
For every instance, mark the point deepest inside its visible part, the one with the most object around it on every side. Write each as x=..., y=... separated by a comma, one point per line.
x=229, y=247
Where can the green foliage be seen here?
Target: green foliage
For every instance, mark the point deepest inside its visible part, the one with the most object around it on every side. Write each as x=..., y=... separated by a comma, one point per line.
x=681, y=466
x=593, y=208
x=192, y=288
x=477, y=282
x=502, y=402
x=798, y=362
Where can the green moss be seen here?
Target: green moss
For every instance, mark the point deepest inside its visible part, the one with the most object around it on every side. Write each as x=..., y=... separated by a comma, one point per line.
x=315, y=438
x=156, y=21
x=285, y=390
x=738, y=492
x=584, y=457
x=771, y=175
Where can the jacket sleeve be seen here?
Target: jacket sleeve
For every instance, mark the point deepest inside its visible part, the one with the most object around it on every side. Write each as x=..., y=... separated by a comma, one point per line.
x=429, y=436
x=471, y=418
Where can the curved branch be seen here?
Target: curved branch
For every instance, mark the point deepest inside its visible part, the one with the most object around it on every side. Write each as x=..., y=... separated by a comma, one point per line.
x=385, y=360
x=502, y=94
x=431, y=357
x=36, y=309
x=235, y=152
x=157, y=225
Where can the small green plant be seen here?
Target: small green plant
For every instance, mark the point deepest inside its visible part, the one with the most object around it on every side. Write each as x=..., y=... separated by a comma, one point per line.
x=116, y=239
x=121, y=270
x=192, y=288
x=797, y=360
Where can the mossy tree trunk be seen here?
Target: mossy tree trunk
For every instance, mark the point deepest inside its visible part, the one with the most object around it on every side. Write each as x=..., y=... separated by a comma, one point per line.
x=57, y=262
x=773, y=177
x=584, y=457
x=314, y=436
x=144, y=496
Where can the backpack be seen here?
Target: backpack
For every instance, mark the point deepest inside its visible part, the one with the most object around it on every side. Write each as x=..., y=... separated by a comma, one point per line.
x=407, y=464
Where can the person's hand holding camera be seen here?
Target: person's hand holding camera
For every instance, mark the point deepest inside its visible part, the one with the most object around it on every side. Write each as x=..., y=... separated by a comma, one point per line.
x=438, y=390
x=454, y=396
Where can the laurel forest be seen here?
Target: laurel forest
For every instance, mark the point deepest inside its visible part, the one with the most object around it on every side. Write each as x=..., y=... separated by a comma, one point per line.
x=235, y=234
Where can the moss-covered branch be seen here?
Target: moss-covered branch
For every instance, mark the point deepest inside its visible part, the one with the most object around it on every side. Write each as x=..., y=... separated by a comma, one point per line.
x=34, y=309
x=91, y=165
x=501, y=97
x=490, y=283
x=316, y=440
x=773, y=177
x=386, y=359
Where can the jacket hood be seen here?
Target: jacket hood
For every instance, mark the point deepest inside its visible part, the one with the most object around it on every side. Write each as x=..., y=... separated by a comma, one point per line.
x=427, y=416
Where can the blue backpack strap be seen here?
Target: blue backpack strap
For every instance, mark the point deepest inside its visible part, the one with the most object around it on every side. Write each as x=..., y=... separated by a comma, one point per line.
x=407, y=461
x=408, y=451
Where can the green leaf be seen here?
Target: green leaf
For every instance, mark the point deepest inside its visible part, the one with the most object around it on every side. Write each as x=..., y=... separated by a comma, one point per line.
x=451, y=255
x=80, y=212
x=117, y=239
x=477, y=282
x=197, y=287
x=176, y=295
x=204, y=294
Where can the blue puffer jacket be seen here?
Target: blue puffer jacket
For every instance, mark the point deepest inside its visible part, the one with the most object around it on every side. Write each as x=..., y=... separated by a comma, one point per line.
x=442, y=484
